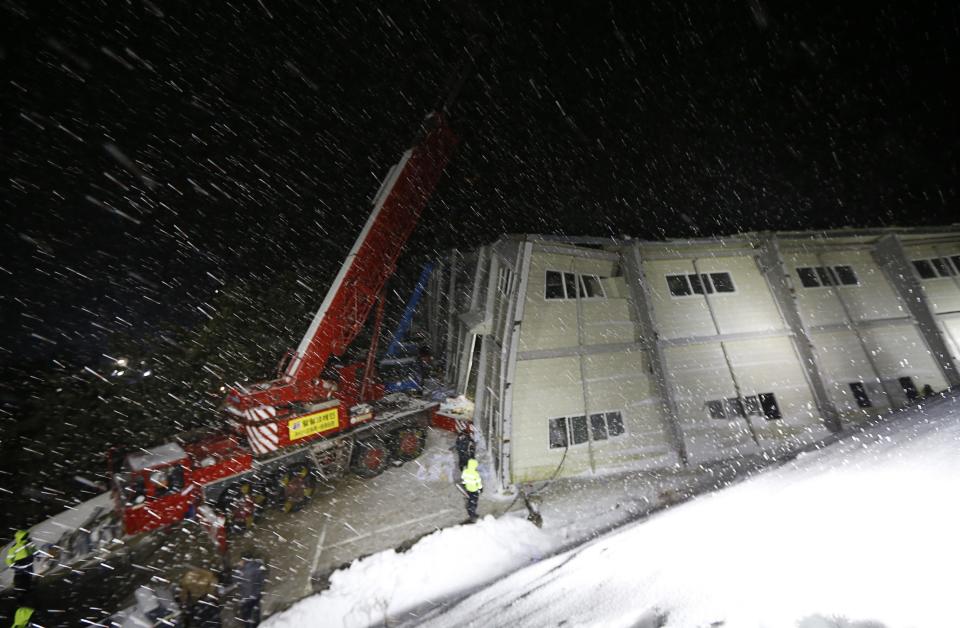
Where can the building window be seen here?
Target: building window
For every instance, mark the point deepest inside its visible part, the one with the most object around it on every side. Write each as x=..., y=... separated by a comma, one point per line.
x=936, y=267
x=943, y=266
x=614, y=423
x=722, y=282
x=846, y=275
x=751, y=405
x=768, y=403
x=579, y=429
x=505, y=280
x=924, y=268
x=808, y=278
x=570, y=285
x=699, y=283
x=819, y=276
x=764, y=404
x=703, y=283
x=909, y=388
x=558, y=433
x=576, y=430
x=554, y=289
x=860, y=394
x=732, y=407
x=679, y=286
x=715, y=409
x=826, y=276
x=590, y=287
x=605, y=425
x=562, y=285
x=598, y=427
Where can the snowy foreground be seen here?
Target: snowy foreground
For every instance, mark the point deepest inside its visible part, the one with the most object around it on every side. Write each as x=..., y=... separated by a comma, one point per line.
x=860, y=534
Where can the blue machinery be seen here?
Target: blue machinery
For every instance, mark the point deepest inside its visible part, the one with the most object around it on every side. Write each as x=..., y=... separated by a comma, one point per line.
x=397, y=352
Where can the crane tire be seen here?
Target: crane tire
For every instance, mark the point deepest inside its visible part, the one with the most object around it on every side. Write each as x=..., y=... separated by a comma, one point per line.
x=237, y=505
x=294, y=487
x=408, y=443
x=370, y=458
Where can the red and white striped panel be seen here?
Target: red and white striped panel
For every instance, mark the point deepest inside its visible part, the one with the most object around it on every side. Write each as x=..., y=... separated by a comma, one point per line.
x=262, y=432
x=263, y=438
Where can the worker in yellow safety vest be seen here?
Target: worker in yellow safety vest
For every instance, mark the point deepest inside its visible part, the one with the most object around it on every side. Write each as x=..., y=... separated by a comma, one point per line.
x=20, y=557
x=22, y=617
x=472, y=486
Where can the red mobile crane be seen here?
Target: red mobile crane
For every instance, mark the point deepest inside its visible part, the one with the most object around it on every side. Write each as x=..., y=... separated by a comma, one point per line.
x=315, y=420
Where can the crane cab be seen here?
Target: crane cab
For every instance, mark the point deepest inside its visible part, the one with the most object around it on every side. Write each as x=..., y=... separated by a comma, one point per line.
x=151, y=489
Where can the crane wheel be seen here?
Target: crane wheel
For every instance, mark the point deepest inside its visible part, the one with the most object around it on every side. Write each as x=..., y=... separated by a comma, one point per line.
x=238, y=506
x=370, y=458
x=294, y=488
x=408, y=443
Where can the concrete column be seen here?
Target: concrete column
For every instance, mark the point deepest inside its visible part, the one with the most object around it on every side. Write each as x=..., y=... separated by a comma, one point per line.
x=650, y=340
x=508, y=371
x=777, y=275
x=889, y=253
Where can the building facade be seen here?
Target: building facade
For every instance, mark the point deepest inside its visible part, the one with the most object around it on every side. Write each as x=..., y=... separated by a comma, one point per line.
x=587, y=355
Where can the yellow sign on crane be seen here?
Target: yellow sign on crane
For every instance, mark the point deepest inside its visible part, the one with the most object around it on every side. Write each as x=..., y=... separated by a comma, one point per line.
x=310, y=424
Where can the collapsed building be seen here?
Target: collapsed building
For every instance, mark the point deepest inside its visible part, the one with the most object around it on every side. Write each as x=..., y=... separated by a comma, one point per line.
x=590, y=355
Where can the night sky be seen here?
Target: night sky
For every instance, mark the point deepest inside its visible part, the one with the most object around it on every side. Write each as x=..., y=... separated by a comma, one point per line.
x=152, y=152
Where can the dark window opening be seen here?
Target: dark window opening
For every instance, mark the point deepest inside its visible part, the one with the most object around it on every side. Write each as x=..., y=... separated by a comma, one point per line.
x=846, y=275
x=715, y=409
x=615, y=423
x=771, y=410
x=909, y=388
x=135, y=490
x=826, y=276
x=570, y=283
x=924, y=269
x=860, y=394
x=751, y=405
x=734, y=408
x=696, y=284
x=579, y=429
x=723, y=282
x=678, y=285
x=558, y=433
x=598, y=427
x=956, y=262
x=554, y=288
x=808, y=278
x=590, y=287
x=943, y=266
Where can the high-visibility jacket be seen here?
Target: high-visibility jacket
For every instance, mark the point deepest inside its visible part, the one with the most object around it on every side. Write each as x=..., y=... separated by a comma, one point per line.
x=21, y=548
x=21, y=618
x=471, y=477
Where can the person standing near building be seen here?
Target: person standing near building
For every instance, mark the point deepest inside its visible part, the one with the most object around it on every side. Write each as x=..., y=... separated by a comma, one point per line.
x=249, y=577
x=23, y=618
x=20, y=557
x=466, y=448
x=472, y=486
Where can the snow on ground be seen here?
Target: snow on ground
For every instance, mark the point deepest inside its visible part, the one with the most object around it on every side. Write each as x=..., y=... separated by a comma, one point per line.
x=447, y=563
x=858, y=534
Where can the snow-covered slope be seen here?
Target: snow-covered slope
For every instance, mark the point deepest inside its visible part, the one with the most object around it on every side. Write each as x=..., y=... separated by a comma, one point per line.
x=448, y=563
x=860, y=534
x=863, y=533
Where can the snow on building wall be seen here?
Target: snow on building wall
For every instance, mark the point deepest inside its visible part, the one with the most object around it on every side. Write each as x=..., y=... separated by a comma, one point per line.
x=586, y=355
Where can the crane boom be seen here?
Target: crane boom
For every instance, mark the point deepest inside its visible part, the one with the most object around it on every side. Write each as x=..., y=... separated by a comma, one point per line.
x=363, y=274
